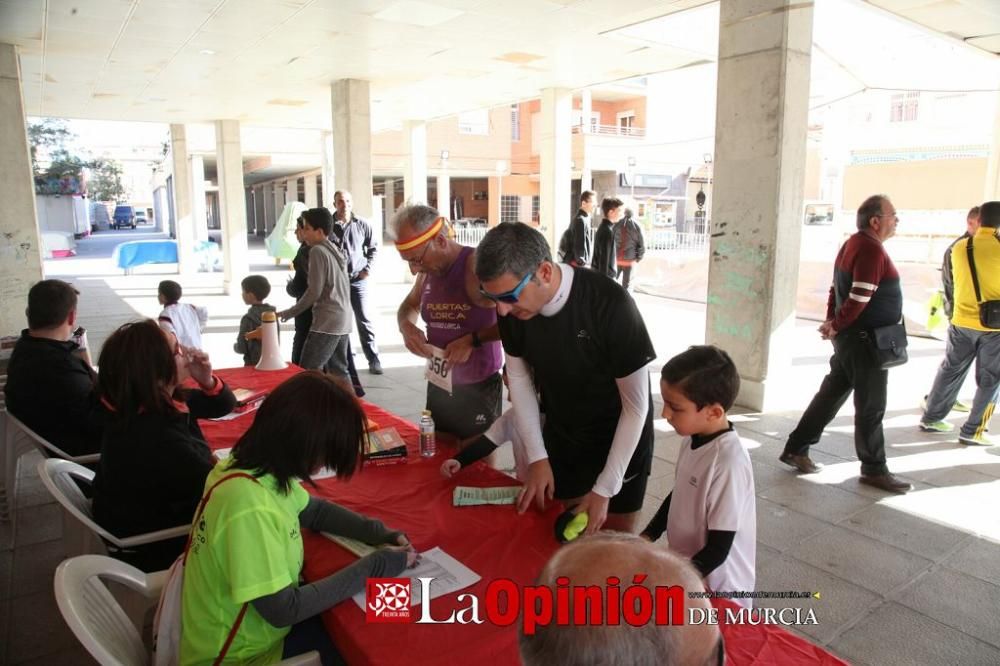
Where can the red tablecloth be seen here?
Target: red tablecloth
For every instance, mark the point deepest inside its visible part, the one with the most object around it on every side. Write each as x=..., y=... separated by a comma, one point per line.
x=492, y=541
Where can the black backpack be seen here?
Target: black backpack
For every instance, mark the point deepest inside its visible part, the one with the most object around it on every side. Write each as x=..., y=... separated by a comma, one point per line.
x=566, y=245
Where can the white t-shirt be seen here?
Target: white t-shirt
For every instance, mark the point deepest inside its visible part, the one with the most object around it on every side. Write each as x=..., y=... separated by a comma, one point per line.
x=504, y=430
x=714, y=490
x=186, y=321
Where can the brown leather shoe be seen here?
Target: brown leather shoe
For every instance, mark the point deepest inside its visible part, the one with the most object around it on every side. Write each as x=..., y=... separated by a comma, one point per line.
x=887, y=482
x=804, y=464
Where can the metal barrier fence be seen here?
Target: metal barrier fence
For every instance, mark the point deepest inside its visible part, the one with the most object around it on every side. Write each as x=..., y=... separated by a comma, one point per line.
x=668, y=239
x=469, y=235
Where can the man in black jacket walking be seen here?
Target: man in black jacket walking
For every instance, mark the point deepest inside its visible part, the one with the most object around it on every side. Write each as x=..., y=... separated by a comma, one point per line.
x=631, y=247
x=579, y=236
x=604, y=240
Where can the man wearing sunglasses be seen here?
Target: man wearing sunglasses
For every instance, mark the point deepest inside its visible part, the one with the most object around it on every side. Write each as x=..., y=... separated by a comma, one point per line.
x=458, y=319
x=585, y=342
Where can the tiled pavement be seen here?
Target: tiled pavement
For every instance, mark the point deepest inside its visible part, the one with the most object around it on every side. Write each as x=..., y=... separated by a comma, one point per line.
x=903, y=580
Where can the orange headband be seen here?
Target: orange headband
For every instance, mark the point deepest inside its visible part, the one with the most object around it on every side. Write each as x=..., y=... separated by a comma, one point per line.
x=419, y=240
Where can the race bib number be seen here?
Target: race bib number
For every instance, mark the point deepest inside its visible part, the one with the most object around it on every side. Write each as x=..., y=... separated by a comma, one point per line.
x=438, y=370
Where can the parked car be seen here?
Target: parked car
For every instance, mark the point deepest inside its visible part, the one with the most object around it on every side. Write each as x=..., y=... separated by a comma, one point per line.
x=140, y=217
x=124, y=217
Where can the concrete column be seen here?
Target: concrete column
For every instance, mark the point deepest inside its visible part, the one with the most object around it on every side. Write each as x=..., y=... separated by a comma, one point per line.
x=327, y=175
x=760, y=156
x=415, y=169
x=991, y=189
x=352, y=144
x=310, y=185
x=182, y=200
x=291, y=190
x=267, y=206
x=586, y=179
x=229, y=158
x=554, y=162
x=278, y=203
x=198, y=212
x=586, y=108
x=20, y=245
x=251, y=211
x=444, y=194
x=390, y=196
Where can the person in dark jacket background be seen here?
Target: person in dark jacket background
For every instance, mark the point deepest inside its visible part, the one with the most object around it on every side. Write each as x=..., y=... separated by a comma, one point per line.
x=604, y=240
x=154, y=458
x=631, y=247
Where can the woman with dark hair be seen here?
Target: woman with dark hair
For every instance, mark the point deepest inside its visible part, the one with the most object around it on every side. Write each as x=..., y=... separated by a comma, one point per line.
x=154, y=459
x=241, y=579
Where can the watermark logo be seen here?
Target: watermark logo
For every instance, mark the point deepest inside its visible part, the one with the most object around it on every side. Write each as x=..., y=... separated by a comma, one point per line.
x=387, y=600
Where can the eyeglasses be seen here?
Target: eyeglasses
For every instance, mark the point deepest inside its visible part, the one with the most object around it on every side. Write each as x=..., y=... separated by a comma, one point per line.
x=891, y=217
x=420, y=261
x=509, y=297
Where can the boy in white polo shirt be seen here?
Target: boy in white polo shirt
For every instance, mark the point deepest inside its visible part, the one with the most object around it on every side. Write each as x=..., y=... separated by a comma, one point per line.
x=710, y=516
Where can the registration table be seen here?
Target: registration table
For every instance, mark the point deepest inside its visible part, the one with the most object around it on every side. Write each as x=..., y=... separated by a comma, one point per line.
x=493, y=541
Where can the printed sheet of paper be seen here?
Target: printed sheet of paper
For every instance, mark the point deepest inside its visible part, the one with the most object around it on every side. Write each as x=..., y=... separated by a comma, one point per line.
x=359, y=548
x=249, y=409
x=466, y=496
x=449, y=576
x=438, y=370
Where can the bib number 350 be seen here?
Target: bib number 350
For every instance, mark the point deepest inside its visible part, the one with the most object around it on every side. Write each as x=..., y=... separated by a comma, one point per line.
x=438, y=370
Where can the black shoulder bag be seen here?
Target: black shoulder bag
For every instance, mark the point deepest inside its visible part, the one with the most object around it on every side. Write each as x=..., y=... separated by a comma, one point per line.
x=889, y=344
x=989, y=311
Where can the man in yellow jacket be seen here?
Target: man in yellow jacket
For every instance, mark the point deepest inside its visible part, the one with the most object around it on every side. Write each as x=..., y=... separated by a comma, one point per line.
x=968, y=339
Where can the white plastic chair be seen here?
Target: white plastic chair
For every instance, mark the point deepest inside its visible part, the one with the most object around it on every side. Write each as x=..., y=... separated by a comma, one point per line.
x=100, y=624
x=19, y=439
x=81, y=533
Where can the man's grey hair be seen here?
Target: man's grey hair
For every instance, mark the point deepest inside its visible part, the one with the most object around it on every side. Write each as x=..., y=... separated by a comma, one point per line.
x=609, y=645
x=417, y=217
x=511, y=247
x=870, y=207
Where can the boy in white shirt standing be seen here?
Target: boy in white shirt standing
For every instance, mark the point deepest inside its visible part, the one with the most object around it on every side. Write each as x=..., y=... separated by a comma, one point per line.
x=710, y=516
x=185, y=321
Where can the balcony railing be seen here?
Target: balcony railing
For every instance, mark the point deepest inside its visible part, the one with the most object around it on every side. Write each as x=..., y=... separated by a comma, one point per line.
x=610, y=130
x=469, y=235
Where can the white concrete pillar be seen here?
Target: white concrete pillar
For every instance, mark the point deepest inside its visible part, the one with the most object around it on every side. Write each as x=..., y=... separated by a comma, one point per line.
x=352, y=145
x=198, y=211
x=415, y=169
x=444, y=194
x=229, y=158
x=251, y=210
x=291, y=190
x=586, y=179
x=327, y=174
x=310, y=185
x=278, y=202
x=586, y=108
x=991, y=189
x=390, y=196
x=554, y=162
x=20, y=245
x=184, y=220
x=760, y=157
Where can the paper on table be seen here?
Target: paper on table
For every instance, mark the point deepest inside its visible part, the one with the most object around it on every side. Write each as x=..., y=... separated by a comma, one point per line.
x=359, y=548
x=449, y=576
x=466, y=496
x=249, y=409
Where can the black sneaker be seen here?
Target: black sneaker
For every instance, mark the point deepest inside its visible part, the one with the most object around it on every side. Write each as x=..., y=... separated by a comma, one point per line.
x=375, y=367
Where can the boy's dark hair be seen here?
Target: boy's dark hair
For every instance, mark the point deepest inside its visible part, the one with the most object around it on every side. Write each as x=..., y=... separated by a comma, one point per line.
x=256, y=285
x=609, y=204
x=171, y=291
x=319, y=218
x=307, y=422
x=136, y=363
x=705, y=375
x=587, y=195
x=989, y=215
x=49, y=303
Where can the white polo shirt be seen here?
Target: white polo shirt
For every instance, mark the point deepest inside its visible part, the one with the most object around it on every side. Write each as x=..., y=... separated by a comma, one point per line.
x=714, y=490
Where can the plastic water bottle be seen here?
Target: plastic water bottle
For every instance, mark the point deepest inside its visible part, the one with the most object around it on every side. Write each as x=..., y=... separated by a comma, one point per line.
x=428, y=446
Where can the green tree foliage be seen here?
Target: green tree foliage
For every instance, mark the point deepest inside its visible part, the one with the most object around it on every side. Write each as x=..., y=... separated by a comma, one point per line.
x=106, y=180
x=64, y=173
x=51, y=134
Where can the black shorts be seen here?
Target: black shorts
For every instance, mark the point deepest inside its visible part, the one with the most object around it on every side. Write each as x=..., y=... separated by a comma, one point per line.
x=573, y=481
x=469, y=410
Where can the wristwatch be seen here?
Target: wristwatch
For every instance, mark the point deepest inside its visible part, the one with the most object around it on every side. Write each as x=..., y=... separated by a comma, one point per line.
x=476, y=342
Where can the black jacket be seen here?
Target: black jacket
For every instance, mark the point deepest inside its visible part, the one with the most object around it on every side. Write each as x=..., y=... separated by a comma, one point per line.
x=51, y=389
x=604, y=250
x=298, y=285
x=582, y=235
x=629, y=241
x=152, y=470
x=356, y=242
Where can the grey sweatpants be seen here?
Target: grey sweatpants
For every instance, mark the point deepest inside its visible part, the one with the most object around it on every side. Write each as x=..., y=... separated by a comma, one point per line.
x=966, y=345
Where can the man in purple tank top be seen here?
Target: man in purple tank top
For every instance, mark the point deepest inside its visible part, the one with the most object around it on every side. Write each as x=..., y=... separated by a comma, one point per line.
x=459, y=321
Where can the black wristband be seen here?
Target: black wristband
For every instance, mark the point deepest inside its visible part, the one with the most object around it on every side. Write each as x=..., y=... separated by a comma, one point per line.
x=476, y=342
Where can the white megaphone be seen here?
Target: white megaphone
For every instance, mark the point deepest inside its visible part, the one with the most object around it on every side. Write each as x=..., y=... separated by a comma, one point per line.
x=270, y=350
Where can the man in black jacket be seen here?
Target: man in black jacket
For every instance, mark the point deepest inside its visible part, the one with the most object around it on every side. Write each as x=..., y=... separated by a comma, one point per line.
x=630, y=245
x=604, y=240
x=354, y=236
x=50, y=385
x=580, y=234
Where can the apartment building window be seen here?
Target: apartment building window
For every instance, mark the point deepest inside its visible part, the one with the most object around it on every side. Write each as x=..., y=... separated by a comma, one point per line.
x=535, y=207
x=626, y=122
x=474, y=122
x=903, y=107
x=515, y=122
x=509, y=208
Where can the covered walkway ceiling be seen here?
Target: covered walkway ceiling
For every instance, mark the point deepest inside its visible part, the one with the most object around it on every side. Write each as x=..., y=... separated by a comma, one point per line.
x=270, y=62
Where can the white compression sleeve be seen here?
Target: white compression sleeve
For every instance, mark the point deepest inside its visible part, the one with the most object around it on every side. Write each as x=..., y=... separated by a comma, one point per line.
x=634, y=391
x=525, y=401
